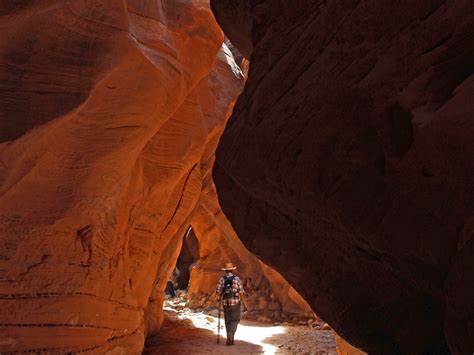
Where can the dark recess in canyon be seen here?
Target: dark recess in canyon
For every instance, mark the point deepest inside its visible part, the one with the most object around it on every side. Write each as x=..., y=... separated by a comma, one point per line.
x=188, y=255
x=350, y=153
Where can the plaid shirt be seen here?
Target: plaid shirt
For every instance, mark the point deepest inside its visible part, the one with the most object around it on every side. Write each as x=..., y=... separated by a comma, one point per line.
x=237, y=289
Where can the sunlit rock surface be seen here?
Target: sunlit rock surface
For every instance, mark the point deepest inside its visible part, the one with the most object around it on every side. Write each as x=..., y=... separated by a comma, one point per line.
x=348, y=162
x=104, y=119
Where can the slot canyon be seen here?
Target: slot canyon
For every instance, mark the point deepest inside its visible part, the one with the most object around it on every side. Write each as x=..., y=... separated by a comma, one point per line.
x=326, y=148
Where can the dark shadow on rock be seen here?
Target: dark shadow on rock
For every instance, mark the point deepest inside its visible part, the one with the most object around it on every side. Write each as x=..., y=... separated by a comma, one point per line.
x=188, y=255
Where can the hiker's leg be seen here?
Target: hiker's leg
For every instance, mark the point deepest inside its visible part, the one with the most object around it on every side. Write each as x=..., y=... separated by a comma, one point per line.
x=169, y=289
x=235, y=319
x=230, y=332
x=227, y=324
x=227, y=318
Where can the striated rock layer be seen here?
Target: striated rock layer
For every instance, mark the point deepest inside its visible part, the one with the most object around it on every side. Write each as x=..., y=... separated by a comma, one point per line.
x=110, y=114
x=106, y=110
x=348, y=160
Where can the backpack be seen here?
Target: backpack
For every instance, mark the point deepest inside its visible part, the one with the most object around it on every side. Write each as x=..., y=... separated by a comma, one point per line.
x=227, y=292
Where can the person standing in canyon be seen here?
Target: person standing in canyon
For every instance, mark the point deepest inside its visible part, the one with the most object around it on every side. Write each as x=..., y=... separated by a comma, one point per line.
x=172, y=283
x=230, y=292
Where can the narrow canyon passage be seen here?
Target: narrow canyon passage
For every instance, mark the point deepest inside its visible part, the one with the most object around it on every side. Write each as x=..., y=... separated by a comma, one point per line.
x=187, y=331
x=324, y=148
x=278, y=321
x=107, y=167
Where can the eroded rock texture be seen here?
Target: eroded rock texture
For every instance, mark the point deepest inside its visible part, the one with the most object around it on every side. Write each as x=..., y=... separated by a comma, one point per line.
x=268, y=294
x=106, y=110
x=110, y=116
x=348, y=163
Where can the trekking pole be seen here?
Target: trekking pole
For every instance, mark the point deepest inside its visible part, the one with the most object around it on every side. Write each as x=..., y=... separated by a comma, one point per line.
x=219, y=320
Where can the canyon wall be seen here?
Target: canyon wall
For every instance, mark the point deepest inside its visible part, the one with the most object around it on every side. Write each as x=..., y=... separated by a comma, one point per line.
x=104, y=119
x=110, y=114
x=344, y=348
x=267, y=292
x=350, y=153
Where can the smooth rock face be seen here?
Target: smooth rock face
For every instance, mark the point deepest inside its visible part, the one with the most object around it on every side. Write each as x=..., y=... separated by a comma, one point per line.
x=348, y=164
x=106, y=110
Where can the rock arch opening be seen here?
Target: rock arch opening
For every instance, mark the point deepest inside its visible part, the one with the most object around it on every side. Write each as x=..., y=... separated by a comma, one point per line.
x=187, y=257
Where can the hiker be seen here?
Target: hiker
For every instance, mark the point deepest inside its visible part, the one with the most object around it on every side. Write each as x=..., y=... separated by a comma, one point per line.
x=230, y=292
x=170, y=285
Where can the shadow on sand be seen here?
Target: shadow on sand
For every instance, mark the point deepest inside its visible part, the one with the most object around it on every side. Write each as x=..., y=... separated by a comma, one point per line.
x=181, y=338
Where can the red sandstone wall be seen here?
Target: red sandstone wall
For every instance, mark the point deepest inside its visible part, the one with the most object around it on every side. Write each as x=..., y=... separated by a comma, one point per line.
x=110, y=113
x=351, y=152
x=103, y=126
x=268, y=293
x=344, y=348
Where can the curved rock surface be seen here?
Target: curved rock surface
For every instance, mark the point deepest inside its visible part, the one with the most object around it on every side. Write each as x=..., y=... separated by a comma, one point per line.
x=268, y=294
x=344, y=348
x=347, y=163
x=110, y=114
x=103, y=121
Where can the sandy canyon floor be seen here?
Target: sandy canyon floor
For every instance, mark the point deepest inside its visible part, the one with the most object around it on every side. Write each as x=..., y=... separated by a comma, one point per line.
x=187, y=331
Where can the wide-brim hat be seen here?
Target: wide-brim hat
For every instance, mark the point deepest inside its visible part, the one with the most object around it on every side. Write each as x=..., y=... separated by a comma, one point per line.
x=229, y=266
